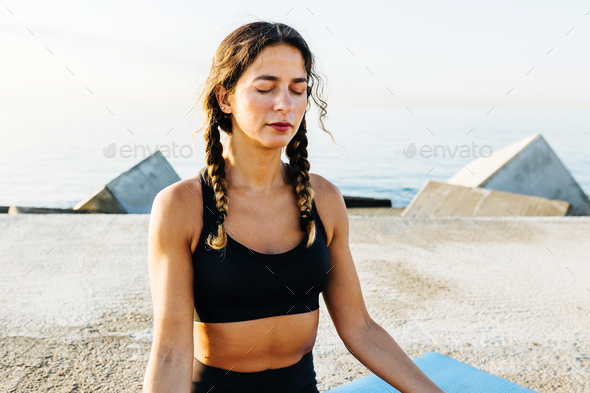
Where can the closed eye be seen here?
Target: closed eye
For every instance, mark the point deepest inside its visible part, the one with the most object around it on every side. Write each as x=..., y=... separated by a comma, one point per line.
x=266, y=91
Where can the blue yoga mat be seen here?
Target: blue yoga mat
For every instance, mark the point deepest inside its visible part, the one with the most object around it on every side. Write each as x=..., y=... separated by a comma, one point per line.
x=449, y=374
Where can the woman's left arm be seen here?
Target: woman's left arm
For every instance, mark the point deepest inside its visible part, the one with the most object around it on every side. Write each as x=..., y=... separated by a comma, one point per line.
x=380, y=353
x=367, y=341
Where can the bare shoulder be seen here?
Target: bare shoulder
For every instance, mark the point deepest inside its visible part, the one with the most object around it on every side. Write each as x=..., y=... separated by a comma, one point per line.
x=330, y=204
x=181, y=205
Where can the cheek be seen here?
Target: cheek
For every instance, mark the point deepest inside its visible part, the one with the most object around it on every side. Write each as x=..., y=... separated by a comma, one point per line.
x=301, y=105
x=256, y=104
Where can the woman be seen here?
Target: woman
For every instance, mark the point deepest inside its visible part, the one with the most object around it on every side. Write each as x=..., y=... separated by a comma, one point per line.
x=235, y=290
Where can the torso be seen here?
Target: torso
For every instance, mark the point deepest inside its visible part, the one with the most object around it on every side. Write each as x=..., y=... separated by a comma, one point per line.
x=273, y=342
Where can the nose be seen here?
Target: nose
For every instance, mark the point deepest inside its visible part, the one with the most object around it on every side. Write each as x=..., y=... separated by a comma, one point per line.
x=284, y=101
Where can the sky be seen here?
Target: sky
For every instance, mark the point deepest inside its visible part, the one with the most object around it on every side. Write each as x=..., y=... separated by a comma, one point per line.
x=372, y=53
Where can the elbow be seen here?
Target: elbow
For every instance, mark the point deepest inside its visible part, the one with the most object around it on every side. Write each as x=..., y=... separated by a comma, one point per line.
x=172, y=356
x=352, y=332
x=168, y=371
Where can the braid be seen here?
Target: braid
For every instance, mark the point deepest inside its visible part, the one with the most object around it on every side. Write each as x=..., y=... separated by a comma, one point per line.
x=299, y=174
x=216, y=170
x=236, y=53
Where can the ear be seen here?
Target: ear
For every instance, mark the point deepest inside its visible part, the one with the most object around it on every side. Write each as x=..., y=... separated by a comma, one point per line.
x=222, y=99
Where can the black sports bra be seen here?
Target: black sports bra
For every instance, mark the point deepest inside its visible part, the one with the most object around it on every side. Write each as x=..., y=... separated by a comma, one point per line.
x=240, y=284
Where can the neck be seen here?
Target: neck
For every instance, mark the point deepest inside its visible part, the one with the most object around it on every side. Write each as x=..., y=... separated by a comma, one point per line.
x=261, y=172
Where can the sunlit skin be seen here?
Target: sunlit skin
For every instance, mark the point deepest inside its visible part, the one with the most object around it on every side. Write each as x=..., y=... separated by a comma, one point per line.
x=261, y=202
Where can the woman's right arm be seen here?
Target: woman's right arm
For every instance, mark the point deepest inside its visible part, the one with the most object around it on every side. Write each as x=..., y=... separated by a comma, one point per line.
x=170, y=363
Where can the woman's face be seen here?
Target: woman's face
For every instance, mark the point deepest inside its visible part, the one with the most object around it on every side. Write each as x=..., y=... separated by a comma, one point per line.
x=273, y=89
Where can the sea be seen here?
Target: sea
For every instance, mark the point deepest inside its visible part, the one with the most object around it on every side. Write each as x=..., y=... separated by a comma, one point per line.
x=55, y=156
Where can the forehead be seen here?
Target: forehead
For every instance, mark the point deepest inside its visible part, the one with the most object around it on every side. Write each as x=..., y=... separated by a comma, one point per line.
x=283, y=61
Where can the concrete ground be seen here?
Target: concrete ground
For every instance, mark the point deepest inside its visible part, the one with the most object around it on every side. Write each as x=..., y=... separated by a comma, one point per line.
x=510, y=296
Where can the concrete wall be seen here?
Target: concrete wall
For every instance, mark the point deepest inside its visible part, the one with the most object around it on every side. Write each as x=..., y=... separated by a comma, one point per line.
x=528, y=167
x=436, y=199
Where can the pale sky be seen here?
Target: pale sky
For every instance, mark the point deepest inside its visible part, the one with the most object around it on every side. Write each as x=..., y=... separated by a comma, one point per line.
x=431, y=53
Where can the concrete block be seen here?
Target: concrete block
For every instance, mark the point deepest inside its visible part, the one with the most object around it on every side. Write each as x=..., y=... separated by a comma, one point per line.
x=133, y=192
x=375, y=211
x=436, y=199
x=528, y=167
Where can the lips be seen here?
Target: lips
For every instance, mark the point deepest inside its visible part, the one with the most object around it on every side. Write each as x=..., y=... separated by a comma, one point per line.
x=281, y=126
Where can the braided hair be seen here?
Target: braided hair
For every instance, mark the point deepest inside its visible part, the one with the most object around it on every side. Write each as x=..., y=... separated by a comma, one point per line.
x=233, y=56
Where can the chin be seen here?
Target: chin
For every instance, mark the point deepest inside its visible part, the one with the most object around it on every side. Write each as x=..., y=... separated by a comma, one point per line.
x=278, y=141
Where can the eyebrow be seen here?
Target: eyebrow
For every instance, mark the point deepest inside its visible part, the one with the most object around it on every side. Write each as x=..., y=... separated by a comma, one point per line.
x=276, y=79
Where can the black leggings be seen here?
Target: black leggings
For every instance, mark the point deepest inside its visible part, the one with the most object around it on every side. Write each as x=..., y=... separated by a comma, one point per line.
x=296, y=378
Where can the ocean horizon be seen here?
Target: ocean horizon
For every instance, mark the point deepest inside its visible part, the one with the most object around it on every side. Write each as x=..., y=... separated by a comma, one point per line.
x=56, y=156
